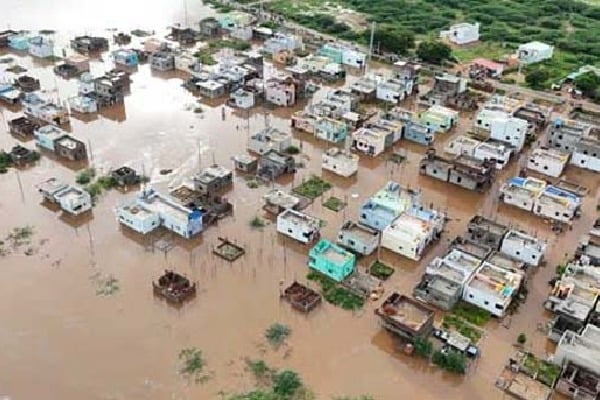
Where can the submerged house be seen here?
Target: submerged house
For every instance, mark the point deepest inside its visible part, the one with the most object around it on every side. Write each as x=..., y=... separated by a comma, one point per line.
x=445, y=277
x=442, y=119
x=269, y=139
x=40, y=46
x=578, y=382
x=56, y=140
x=340, y=162
x=162, y=60
x=586, y=154
x=299, y=226
x=331, y=260
x=273, y=164
x=281, y=91
x=71, y=199
x=465, y=171
x=126, y=57
x=36, y=107
x=150, y=210
x=18, y=42
x=523, y=247
x=493, y=288
x=388, y=203
x=359, y=238
x=89, y=44
x=487, y=232
x=111, y=88
x=83, y=104
x=373, y=140
x=277, y=201
x=330, y=129
x=22, y=127
x=447, y=90
x=548, y=161
x=341, y=54
x=522, y=192
x=411, y=232
x=245, y=163
x=503, y=127
x=27, y=83
x=212, y=180
x=582, y=350
x=405, y=317
x=557, y=204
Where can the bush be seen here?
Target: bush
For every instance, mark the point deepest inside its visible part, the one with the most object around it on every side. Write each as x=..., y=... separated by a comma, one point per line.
x=521, y=339
x=451, y=361
x=277, y=333
x=537, y=78
x=292, y=150
x=286, y=384
x=434, y=52
x=84, y=177
x=423, y=347
x=257, y=222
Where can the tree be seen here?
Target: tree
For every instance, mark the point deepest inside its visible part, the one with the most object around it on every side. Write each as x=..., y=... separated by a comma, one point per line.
x=521, y=339
x=390, y=38
x=588, y=83
x=423, y=347
x=434, y=52
x=286, y=383
x=537, y=78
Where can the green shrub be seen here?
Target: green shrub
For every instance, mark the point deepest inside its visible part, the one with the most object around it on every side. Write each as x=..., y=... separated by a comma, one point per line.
x=277, y=333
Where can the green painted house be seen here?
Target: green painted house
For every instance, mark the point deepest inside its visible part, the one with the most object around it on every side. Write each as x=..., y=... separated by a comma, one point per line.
x=331, y=260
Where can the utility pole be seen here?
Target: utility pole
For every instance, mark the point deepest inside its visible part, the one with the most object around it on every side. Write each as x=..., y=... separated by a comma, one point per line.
x=370, y=46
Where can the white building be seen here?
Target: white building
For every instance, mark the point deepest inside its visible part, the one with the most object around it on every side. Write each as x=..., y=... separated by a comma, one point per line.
x=503, y=127
x=548, y=161
x=534, y=52
x=456, y=266
x=313, y=63
x=522, y=192
x=369, y=141
x=40, y=46
x=462, y=33
x=47, y=135
x=586, y=154
x=242, y=98
x=83, y=104
x=86, y=84
x=358, y=238
x=340, y=162
x=280, y=93
x=392, y=90
x=298, y=226
x=150, y=209
x=491, y=150
x=462, y=145
x=582, y=349
x=44, y=110
x=411, y=232
x=523, y=247
x=557, y=204
x=184, y=61
x=269, y=139
x=493, y=288
x=71, y=199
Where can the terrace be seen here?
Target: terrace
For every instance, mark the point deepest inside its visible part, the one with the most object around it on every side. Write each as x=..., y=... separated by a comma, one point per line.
x=405, y=316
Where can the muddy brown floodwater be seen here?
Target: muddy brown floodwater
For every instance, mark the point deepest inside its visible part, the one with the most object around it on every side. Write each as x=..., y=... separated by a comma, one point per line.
x=60, y=340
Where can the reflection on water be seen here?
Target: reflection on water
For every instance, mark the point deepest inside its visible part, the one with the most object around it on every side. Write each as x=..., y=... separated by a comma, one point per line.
x=76, y=345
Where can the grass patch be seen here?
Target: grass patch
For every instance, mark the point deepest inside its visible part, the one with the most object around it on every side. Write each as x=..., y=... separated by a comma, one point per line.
x=334, y=204
x=463, y=327
x=471, y=313
x=192, y=365
x=312, y=187
x=257, y=222
x=85, y=176
x=292, y=150
x=451, y=361
x=277, y=333
x=380, y=270
x=236, y=44
x=489, y=50
x=106, y=285
x=334, y=293
x=542, y=370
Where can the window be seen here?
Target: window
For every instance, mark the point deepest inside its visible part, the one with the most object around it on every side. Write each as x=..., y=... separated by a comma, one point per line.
x=499, y=306
x=363, y=216
x=533, y=256
x=518, y=253
x=566, y=215
x=458, y=179
x=290, y=230
x=556, y=214
x=352, y=242
x=545, y=167
x=487, y=303
x=470, y=295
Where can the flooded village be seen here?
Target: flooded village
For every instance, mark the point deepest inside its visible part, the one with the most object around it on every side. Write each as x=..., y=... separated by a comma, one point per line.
x=177, y=186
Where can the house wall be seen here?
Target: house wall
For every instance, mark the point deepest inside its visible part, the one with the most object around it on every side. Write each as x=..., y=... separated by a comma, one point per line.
x=524, y=203
x=337, y=272
x=586, y=161
x=330, y=130
x=370, y=145
x=463, y=180
x=353, y=58
x=46, y=49
x=389, y=94
x=280, y=96
x=553, y=210
x=300, y=232
x=44, y=141
x=305, y=124
x=435, y=171
x=77, y=205
x=485, y=300
x=378, y=221
x=528, y=254
x=419, y=136
x=509, y=130
x=357, y=244
x=483, y=153
x=408, y=248
x=546, y=166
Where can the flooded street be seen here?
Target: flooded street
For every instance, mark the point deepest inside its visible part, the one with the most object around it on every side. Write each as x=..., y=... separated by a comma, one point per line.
x=60, y=340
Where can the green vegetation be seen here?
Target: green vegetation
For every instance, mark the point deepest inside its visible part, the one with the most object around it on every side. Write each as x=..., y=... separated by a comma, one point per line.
x=434, y=52
x=334, y=204
x=537, y=78
x=471, y=313
x=205, y=57
x=222, y=8
x=235, y=44
x=334, y=293
x=560, y=269
x=192, y=365
x=543, y=371
x=106, y=285
x=269, y=24
x=489, y=50
x=292, y=150
x=5, y=162
x=451, y=361
x=589, y=84
x=463, y=327
x=261, y=371
x=277, y=333
x=257, y=222
x=381, y=270
x=85, y=176
x=312, y=187
x=423, y=347
x=521, y=339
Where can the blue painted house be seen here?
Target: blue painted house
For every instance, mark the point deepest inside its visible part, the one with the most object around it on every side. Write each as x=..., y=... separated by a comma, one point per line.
x=331, y=260
x=380, y=210
x=126, y=57
x=18, y=42
x=419, y=133
x=330, y=129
